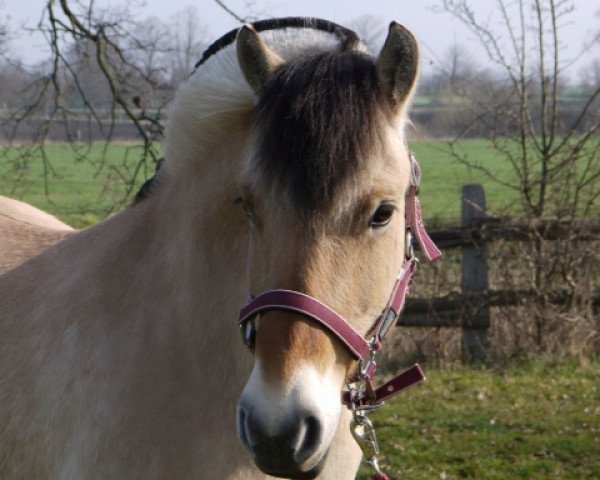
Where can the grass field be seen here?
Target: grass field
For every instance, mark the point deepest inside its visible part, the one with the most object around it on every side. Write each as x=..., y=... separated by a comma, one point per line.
x=78, y=191
x=443, y=177
x=81, y=193
x=534, y=421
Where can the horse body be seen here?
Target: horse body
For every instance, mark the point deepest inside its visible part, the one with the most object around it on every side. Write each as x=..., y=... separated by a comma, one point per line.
x=119, y=357
x=23, y=212
x=26, y=231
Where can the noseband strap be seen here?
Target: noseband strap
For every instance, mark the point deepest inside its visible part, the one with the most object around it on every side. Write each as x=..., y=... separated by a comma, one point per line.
x=312, y=308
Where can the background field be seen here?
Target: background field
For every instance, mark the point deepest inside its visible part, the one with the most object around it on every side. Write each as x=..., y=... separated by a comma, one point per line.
x=81, y=192
x=535, y=421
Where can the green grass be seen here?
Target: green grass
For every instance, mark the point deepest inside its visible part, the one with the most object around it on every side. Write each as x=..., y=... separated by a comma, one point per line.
x=536, y=421
x=442, y=177
x=81, y=192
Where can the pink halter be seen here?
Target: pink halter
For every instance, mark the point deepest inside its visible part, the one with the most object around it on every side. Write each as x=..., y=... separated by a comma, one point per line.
x=361, y=348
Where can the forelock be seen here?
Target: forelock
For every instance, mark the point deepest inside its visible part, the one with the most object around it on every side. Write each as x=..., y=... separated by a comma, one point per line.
x=317, y=122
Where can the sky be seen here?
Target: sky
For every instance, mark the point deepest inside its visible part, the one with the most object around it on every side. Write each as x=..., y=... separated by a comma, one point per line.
x=436, y=32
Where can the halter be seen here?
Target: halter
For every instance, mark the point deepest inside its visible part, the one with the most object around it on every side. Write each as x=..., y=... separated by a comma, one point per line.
x=360, y=396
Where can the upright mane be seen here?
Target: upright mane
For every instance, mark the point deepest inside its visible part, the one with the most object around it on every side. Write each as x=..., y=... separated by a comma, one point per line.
x=216, y=100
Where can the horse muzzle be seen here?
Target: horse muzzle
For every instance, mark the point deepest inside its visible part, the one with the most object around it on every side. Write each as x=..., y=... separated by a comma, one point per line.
x=288, y=428
x=291, y=450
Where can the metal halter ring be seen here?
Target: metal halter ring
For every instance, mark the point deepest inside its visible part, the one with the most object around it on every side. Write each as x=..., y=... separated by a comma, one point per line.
x=409, y=248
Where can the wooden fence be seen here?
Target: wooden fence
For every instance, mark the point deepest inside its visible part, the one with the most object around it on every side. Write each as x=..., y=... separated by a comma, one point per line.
x=470, y=309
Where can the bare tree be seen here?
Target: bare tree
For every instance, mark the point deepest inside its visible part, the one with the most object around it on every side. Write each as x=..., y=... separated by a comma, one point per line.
x=371, y=30
x=110, y=75
x=4, y=32
x=590, y=75
x=533, y=75
x=3, y=38
x=553, y=152
x=187, y=42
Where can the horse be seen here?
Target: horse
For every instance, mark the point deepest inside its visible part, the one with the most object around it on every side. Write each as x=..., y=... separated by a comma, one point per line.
x=26, y=231
x=286, y=167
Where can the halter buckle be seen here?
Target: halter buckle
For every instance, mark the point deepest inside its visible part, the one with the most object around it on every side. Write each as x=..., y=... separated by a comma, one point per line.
x=361, y=394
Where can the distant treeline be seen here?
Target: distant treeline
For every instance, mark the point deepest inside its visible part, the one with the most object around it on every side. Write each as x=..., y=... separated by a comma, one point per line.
x=465, y=121
x=430, y=121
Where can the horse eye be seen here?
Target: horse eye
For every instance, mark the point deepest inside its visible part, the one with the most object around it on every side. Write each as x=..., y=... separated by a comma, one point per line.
x=382, y=215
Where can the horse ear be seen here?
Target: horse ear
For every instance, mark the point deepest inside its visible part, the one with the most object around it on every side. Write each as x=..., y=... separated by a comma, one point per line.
x=257, y=60
x=398, y=63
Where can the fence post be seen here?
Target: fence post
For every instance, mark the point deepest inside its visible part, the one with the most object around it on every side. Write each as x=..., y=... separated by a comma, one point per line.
x=474, y=277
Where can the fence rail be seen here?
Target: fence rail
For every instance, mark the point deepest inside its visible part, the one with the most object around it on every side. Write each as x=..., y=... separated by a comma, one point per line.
x=455, y=309
x=470, y=308
x=493, y=228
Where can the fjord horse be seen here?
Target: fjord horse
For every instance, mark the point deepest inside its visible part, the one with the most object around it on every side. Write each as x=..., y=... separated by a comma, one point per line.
x=286, y=167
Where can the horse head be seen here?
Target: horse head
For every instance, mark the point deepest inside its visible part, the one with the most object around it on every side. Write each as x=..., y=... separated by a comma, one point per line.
x=326, y=173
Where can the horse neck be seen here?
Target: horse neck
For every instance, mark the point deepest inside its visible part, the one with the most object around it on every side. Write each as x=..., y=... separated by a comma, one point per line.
x=199, y=246
x=169, y=272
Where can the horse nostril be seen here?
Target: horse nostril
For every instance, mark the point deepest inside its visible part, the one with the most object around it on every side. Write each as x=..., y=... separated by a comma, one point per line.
x=309, y=442
x=284, y=451
x=242, y=427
